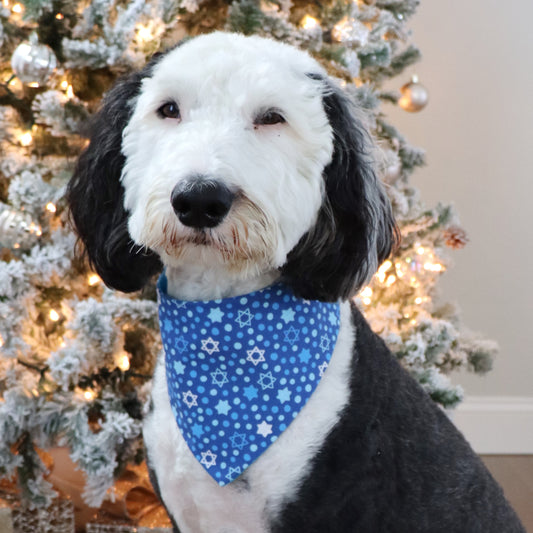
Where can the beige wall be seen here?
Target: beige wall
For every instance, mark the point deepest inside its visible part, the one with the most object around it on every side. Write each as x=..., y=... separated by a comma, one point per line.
x=478, y=134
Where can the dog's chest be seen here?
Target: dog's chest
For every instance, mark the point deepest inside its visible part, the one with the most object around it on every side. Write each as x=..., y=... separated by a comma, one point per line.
x=198, y=504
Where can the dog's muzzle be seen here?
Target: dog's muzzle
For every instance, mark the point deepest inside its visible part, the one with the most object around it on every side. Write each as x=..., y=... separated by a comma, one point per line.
x=201, y=203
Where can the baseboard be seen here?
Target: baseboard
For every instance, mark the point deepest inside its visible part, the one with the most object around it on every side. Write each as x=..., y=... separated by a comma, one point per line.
x=497, y=424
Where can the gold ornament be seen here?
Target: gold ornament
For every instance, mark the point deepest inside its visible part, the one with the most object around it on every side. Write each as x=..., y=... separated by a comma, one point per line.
x=414, y=96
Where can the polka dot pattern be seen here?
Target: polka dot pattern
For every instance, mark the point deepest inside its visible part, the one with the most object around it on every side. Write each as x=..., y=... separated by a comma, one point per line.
x=240, y=369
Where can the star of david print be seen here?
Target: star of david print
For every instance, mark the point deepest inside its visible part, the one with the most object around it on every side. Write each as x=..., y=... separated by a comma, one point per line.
x=240, y=369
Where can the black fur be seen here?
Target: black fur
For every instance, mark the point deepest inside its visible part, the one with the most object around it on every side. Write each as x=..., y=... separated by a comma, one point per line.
x=394, y=463
x=355, y=230
x=95, y=194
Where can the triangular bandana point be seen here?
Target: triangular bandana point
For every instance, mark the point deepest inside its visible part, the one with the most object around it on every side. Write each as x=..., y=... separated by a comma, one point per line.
x=240, y=369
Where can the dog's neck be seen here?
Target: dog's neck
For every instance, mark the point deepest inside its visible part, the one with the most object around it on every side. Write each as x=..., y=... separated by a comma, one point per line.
x=190, y=282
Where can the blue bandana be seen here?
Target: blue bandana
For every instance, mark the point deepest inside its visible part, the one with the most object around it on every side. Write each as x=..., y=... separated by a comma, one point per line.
x=240, y=369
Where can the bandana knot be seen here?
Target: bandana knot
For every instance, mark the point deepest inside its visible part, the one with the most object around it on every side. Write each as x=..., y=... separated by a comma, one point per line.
x=240, y=369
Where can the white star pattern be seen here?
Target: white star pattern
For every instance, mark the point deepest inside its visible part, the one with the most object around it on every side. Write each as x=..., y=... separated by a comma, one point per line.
x=255, y=356
x=264, y=429
x=218, y=377
x=324, y=342
x=209, y=459
x=322, y=368
x=233, y=472
x=244, y=318
x=189, y=398
x=266, y=380
x=209, y=345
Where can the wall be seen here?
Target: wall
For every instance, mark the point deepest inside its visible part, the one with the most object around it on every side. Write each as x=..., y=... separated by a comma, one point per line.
x=478, y=134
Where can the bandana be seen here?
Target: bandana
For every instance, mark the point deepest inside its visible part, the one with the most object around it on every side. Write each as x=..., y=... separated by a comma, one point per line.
x=240, y=369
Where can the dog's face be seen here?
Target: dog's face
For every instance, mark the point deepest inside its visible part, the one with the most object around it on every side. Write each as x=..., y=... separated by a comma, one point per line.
x=225, y=152
x=236, y=152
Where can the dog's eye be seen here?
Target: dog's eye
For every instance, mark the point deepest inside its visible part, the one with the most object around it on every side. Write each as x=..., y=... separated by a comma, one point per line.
x=268, y=118
x=169, y=110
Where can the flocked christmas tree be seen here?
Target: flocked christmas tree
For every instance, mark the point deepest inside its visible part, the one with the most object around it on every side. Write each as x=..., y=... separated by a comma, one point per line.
x=76, y=358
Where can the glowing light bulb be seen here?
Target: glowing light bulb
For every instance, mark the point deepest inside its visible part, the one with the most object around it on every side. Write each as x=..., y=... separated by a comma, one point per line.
x=17, y=8
x=70, y=91
x=60, y=16
x=54, y=315
x=89, y=395
x=64, y=85
x=123, y=362
x=367, y=292
x=1, y=341
x=418, y=300
x=390, y=280
x=309, y=22
x=421, y=250
x=51, y=207
x=26, y=139
x=93, y=279
x=144, y=33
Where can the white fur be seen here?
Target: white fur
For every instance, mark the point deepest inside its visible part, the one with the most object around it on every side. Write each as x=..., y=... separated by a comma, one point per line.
x=277, y=168
x=277, y=172
x=198, y=503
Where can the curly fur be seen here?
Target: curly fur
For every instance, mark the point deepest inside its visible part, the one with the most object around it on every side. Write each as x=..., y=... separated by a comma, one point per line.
x=369, y=452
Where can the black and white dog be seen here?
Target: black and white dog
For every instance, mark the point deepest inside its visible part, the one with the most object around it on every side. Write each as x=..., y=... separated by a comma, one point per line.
x=235, y=163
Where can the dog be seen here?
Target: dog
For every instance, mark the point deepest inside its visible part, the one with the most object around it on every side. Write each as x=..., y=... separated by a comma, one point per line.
x=237, y=164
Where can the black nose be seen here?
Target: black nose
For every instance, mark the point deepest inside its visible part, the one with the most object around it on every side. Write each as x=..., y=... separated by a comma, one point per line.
x=202, y=204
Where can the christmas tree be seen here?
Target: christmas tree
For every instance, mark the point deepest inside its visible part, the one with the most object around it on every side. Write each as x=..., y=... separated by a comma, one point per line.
x=76, y=358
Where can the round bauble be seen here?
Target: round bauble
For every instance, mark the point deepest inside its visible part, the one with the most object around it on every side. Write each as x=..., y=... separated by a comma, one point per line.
x=414, y=96
x=33, y=63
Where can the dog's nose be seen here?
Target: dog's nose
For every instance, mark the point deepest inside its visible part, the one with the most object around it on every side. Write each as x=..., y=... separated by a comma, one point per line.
x=204, y=204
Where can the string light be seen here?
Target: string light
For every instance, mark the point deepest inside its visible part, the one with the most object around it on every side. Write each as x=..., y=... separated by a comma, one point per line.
x=1, y=341
x=144, y=33
x=366, y=295
x=26, y=139
x=54, y=315
x=64, y=85
x=433, y=267
x=89, y=395
x=60, y=16
x=51, y=207
x=390, y=280
x=309, y=22
x=382, y=271
x=93, y=279
x=123, y=361
x=17, y=8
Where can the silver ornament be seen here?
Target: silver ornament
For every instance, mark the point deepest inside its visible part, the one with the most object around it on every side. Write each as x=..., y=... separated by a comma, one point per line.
x=414, y=96
x=32, y=62
x=17, y=229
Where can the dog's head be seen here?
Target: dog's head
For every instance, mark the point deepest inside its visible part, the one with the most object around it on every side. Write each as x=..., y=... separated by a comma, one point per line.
x=238, y=152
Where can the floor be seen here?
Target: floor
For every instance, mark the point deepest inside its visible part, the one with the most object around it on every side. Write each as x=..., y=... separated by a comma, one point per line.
x=515, y=474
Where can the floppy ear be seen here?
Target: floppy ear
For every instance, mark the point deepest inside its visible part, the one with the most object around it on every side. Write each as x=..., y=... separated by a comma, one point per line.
x=355, y=229
x=95, y=194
